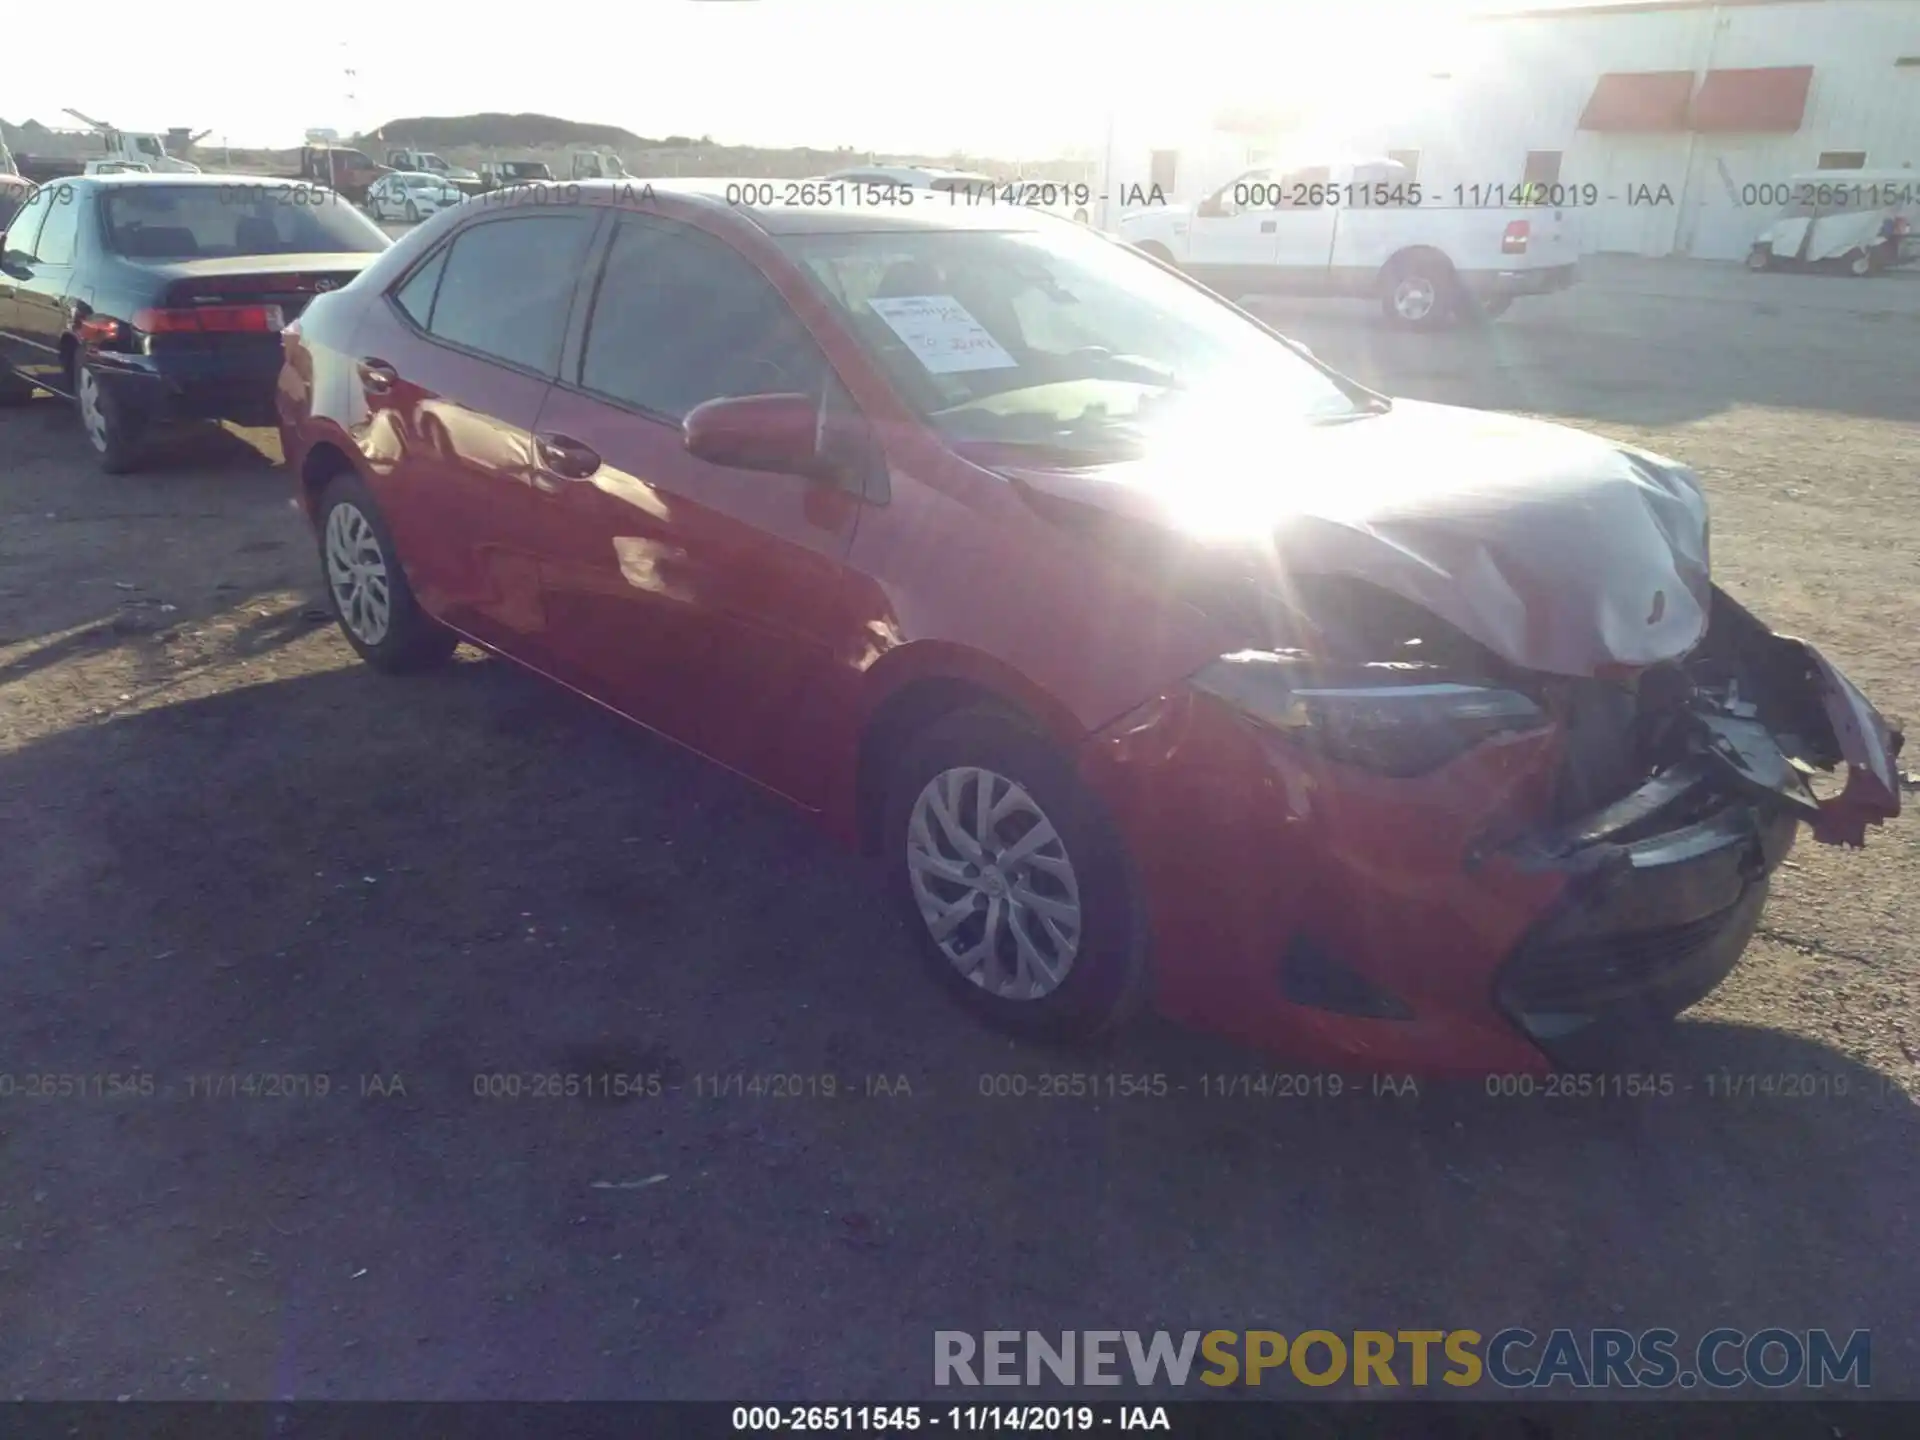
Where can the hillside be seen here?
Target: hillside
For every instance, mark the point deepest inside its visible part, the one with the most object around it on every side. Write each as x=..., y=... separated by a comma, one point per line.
x=472, y=139
x=495, y=130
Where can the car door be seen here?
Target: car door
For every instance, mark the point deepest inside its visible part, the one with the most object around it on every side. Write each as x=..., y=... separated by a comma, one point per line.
x=454, y=362
x=42, y=287
x=1306, y=212
x=1230, y=245
x=16, y=268
x=701, y=600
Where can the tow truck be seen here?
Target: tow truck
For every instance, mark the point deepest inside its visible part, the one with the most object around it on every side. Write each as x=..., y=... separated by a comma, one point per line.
x=69, y=152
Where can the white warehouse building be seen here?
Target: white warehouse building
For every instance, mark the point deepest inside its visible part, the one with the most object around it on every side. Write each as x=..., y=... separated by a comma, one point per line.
x=1676, y=119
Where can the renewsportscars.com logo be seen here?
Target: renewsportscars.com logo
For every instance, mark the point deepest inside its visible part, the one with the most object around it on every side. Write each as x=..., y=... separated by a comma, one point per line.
x=1514, y=1358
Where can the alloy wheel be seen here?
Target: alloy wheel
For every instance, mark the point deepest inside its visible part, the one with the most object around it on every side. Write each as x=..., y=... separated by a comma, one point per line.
x=357, y=574
x=92, y=414
x=1414, y=297
x=993, y=882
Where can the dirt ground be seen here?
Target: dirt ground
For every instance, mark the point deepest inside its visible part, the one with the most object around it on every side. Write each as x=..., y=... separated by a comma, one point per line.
x=229, y=849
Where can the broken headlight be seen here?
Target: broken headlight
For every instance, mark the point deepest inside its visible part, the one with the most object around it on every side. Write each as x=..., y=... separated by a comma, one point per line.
x=1396, y=725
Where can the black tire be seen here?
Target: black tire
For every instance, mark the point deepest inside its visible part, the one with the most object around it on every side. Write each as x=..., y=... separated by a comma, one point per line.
x=1760, y=258
x=412, y=640
x=117, y=438
x=1411, y=274
x=1158, y=252
x=1105, y=981
x=413, y=213
x=1862, y=262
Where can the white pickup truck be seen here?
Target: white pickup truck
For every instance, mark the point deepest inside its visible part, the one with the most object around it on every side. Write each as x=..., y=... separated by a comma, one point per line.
x=1364, y=230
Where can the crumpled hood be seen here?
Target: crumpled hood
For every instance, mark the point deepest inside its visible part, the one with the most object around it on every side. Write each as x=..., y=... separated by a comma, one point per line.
x=1558, y=550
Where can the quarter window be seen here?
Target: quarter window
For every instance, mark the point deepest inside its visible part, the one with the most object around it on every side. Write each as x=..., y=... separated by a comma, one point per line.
x=416, y=296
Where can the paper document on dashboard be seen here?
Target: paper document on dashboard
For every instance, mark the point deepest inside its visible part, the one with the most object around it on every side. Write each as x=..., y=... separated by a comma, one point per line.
x=942, y=334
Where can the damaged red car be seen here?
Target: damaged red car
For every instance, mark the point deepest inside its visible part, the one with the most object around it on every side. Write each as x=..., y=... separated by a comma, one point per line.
x=1154, y=658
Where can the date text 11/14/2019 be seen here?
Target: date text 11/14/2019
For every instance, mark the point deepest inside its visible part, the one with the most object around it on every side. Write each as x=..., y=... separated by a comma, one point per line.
x=907, y=1419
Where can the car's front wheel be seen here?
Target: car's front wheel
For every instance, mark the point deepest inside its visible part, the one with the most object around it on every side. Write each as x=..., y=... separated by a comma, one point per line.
x=1013, y=879
x=413, y=213
x=366, y=588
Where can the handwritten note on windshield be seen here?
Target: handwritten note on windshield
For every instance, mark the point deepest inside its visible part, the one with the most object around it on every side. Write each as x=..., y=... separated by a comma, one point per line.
x=941, y=333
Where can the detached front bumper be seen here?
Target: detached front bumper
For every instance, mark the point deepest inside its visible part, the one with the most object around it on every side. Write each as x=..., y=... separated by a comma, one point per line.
x=1664, y=889
x=1432, y=924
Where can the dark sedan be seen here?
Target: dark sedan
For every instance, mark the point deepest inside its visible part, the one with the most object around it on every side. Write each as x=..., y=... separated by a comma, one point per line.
x=150, y=300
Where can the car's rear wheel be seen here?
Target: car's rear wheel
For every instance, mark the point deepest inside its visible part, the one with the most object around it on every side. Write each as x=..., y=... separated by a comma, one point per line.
x=366, y=588
x=118, y=438
x=1861, y=262
x=1013, y=879
x=1419, y=292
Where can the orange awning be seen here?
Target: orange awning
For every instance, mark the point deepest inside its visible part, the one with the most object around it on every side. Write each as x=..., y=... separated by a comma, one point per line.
x=1640, y=102
x=1769, y=101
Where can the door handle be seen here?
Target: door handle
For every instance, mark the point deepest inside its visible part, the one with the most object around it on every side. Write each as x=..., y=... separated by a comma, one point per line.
x=376, y=375
x=564, y=457
x=1267, y=227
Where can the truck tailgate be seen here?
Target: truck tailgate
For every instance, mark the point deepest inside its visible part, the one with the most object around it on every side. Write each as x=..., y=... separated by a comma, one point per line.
x=1551, y=239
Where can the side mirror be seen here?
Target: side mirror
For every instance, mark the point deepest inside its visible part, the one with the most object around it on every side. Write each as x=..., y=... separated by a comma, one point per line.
x=778, y=433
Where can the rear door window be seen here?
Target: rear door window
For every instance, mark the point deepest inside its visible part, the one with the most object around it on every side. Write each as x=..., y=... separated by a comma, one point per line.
x=25, y=229
x=61, y=234
x=506, y=287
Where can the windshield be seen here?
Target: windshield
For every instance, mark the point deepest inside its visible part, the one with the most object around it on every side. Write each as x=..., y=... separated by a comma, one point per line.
x=527, y=170
x=1063, y=342
x=184, y=222
x=423, y=182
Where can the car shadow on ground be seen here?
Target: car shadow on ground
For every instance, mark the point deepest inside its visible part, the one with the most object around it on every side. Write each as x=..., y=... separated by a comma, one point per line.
x=197, y=447
x=471, y=875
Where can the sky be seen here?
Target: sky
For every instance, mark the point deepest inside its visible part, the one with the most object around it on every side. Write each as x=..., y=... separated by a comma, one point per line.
x=1011, y=78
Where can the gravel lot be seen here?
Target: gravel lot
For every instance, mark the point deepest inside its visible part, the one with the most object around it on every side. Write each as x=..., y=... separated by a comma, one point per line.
x=229, y=849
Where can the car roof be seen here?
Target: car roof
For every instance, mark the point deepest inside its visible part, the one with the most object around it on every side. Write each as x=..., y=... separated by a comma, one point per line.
x=927, y=211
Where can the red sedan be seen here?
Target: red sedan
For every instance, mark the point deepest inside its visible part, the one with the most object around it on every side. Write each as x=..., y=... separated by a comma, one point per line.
x=1154, y=657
